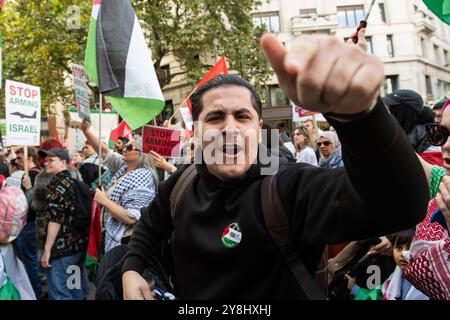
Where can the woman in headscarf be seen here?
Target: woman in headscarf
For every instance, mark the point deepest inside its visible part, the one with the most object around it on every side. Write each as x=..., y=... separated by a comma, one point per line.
x=304, y=147
x=133, y=186
x=330, y=150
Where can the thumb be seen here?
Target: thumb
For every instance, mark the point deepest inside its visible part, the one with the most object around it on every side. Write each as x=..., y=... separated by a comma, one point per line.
x=146, y=290
x=362, y=34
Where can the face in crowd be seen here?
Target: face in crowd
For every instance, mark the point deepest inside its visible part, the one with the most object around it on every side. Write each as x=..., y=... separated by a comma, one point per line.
x=325, y=146
x=398, y=255
x=131, y=152
x=54, y=165
x=300, y=139
x=119, y=145
x=20, y=161
x=309, y=126
x=88, y=151
x=229, y=113
x=77, y=158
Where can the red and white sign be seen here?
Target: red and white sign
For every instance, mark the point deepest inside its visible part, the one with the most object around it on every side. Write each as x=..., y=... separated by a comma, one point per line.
x=164, y=141
x=23, y=113
x=301, y=114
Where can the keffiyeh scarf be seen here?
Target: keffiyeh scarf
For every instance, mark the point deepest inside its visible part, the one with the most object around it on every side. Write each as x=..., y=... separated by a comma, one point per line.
x=132, y=191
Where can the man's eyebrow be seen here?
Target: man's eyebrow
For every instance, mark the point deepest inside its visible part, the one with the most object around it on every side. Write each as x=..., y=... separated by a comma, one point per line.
x=215, y=112
x=242, y=110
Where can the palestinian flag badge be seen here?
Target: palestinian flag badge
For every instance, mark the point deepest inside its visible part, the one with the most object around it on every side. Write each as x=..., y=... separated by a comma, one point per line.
x=232, y=235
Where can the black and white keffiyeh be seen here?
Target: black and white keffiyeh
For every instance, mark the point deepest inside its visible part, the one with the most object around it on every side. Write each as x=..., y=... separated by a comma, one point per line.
x=132, y=191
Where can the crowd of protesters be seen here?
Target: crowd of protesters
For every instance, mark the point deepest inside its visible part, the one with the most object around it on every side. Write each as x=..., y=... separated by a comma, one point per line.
x=322, y=184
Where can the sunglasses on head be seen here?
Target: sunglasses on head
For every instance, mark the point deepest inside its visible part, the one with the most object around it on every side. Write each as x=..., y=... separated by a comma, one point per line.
x=437, y=134
x=129, y=147
x=325, y=143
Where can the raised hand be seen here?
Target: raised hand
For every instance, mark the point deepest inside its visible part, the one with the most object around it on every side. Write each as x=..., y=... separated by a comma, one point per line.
x=324, y=74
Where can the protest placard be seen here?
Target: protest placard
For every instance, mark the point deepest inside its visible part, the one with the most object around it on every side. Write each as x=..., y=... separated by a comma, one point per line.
x=164, y=141
x=23, y=113
x=81, y=92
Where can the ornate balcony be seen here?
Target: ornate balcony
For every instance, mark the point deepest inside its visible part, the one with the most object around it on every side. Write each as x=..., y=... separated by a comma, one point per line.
x=424, y=23
x=307, y=23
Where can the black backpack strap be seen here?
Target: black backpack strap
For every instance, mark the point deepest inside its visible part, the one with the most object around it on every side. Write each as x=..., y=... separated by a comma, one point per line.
x=277, y=224
x=180, y=187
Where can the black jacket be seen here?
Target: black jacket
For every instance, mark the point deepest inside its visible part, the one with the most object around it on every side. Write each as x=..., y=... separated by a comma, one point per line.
x=384, y=190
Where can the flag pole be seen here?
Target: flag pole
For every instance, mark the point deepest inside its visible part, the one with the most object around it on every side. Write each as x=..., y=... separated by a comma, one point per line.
x=100, y=142
x=182, y=104
x=25, y=160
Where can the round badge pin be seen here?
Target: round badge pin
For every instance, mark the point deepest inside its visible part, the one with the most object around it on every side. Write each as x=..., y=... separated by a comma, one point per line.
x=232, y=235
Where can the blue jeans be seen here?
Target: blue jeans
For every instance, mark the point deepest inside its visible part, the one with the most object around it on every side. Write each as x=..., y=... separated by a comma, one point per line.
x=25, y=245
x=67, y=278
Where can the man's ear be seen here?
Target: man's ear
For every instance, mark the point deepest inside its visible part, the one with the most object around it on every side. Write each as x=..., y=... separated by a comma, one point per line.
x=260, y=131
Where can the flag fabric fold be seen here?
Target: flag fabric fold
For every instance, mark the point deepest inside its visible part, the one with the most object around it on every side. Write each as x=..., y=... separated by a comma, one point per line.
x=94, y=254
x=119, y=61
x=441, y=8
x=219, y=68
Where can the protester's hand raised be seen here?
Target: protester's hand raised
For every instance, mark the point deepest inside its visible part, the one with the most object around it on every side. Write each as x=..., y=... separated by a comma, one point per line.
x=161, y=163
x=324, y=74
x=384, y=248
x=85, y=125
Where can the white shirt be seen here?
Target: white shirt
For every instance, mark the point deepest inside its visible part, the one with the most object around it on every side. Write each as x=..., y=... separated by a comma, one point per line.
x=307, y=155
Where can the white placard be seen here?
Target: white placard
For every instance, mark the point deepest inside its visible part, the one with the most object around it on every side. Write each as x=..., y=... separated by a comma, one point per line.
x=23, y=114
x=81, y=91
x=187, y=118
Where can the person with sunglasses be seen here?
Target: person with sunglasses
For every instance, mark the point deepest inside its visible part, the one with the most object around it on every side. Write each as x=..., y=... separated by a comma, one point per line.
x=330, y=150
x=429, y=267
x=132, y=187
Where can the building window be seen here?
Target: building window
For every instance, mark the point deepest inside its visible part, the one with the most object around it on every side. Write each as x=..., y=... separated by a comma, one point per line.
x=423, y=46
x=446, y=58
x=277, y=97
x=263, y=94
x=390, y=84
x=429, y=86
x=382, y=12
x=437, y=56
x=166, y=113
x=165, y=72
x=350, y=16
x=390, y=46
x=308, y=12
x=270, y=21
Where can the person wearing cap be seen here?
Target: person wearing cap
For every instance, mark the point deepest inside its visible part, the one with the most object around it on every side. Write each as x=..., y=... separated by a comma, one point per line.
x=65, y=245
x=408, y=109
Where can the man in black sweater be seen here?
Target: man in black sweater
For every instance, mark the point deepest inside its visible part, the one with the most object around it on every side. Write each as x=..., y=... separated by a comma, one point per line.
x=220, y=247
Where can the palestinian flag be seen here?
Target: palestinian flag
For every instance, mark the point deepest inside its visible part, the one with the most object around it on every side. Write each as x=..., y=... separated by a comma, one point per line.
x=7, y=289
x=122, y=130
x=94, y=255
x=440, y=8
x=119, y=61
